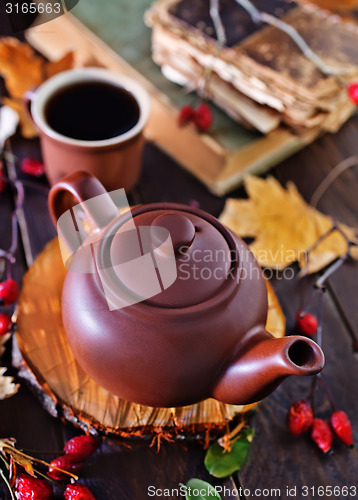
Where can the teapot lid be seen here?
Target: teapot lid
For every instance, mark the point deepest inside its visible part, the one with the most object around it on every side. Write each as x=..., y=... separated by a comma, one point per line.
x=204, y=255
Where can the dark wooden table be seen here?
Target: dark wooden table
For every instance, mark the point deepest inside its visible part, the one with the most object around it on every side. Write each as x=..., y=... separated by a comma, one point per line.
x=276, y=461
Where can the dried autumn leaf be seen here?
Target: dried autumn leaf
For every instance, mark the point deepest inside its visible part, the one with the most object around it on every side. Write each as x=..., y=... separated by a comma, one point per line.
x=3, y=340
x=284, y=226
x=7, y=446
x=6, y=443
x=66, y=62
x=18, y=457
x=23, y=70
x=276, y=322
x=24, y=461
x=28, y=129
x=7, y=386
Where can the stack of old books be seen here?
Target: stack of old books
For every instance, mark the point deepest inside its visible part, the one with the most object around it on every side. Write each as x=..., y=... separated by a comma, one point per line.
x=260, y=77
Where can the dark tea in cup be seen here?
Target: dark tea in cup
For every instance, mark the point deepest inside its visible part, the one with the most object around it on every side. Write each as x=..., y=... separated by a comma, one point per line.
x=92, y=119
x=92, y=111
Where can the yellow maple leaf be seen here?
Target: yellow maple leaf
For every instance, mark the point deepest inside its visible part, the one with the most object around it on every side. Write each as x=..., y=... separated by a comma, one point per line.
x=28, y=129
x=23, y=70
x=284, y=226
x=53, y=67
x=20, y=66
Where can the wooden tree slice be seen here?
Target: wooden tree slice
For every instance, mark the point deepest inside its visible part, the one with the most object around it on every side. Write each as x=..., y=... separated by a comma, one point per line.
x=67, y=390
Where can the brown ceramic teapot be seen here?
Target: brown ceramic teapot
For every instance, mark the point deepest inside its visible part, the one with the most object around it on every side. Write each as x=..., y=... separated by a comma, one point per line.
x=201, y=335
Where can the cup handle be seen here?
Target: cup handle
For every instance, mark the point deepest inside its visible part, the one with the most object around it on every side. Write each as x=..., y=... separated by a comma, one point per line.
x=79, y=187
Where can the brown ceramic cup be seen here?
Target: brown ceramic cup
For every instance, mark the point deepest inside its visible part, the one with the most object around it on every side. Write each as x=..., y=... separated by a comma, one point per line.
x=116, y=161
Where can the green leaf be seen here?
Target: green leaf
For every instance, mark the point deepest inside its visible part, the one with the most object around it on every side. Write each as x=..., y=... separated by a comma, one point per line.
x=221, y=463
x=197, y=489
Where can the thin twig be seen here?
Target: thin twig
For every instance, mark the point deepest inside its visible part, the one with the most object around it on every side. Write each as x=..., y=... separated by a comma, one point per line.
x=8, y=255
x=253, y=11
x=5, y=461
x=40, y=452
x=237, y=431
x=14, y=451
x=221, y=41
x=341, y=167
x=305, y=304
x=326, y=391
x=320, y=283
x=318, y=241
x=322, y=237
x=320, y=316
x=218, y=24
x=50, y=480
x=7, y=484
x=312, y=394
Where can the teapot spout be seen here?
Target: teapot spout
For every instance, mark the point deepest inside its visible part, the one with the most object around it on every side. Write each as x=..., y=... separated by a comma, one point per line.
x=263, y=364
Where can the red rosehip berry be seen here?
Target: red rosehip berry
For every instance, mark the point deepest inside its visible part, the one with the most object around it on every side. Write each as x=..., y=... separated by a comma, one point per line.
x=32, y=488
x=353, y=92
x=77, y=492
x=5, y=324
x=322, y=435
x=65, y=463
x=81, y=447
x=299, y=417
x=342, y=427
x=9, y=291
x=306, y=323
x=203, y=117
x=32, y=166
x=186, y=115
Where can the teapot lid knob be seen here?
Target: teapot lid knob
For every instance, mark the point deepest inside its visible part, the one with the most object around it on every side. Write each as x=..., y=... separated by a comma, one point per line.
x=205, y=255
x=181, y=230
